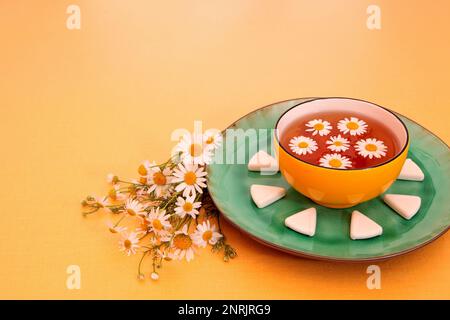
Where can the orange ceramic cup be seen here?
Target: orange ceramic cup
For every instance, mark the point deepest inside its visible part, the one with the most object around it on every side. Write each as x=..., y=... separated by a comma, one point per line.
x=337, y=188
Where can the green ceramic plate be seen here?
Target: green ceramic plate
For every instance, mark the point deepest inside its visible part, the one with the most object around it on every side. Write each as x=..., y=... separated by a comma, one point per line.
x=229, y=185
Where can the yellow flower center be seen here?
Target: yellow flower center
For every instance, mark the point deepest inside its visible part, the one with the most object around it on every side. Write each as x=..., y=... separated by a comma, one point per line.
x=303, y=144
x=190, y=178
x=352, y=125
x=143, y=180
x=131, y=212
x=371, y=147
x=335, y=163
x=196, y=150
x=188, y=207
x=142, y=170
x=112, y=194
x=157, y=225
x=207, y=235
x=319, y=126
x=159, y=178
x=127, y=244
x=182, y=241
x=210, y=140
x=338, y=143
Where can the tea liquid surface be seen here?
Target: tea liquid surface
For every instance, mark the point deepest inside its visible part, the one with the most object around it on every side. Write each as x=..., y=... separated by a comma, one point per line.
x=340, y=140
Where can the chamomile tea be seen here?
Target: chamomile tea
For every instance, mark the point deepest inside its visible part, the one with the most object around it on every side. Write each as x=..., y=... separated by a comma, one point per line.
x=340, y=140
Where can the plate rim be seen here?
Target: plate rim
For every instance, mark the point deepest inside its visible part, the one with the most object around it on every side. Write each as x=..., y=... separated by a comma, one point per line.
x=322, y=257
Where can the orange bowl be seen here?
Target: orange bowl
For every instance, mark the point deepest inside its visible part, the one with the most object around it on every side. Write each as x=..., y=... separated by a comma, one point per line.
x=336, y=188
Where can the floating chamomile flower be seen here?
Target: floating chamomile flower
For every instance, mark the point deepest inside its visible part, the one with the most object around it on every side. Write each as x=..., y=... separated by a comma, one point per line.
x=158, y=221
x=159, y=180
x=338, y=143
x=182, y=245
x=193, y=150
x=191, y=179
x=134, y=207
x=371, y=147
x=319, y=126
x=335, y=161
x=354, y=126
x=212, y=138
x=187, y=206
x=302, y=145
x=205, y=234
x=129, y=243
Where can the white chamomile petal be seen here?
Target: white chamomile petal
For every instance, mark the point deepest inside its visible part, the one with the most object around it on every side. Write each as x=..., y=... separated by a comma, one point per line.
x=212, y=138
x=187, y=206
x=134, y=207
x=338, y=143
x=191, y=179
x=129, y=243
x=205, y=233
x=193, y=150
x=353, y=126
x=371, y=148
x=319, y=126
x=335, y=161
x=183, y=245
x=159, y=181
x=302, y=145
x=158, y=221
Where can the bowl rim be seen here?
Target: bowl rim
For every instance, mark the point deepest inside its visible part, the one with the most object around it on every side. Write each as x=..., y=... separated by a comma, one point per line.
x=405, y=145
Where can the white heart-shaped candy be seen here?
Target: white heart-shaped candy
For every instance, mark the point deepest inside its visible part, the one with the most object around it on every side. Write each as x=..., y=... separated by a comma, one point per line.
x=262, y=161
x=411, y=171
x=405, y=205
x=265, y=195
x=362, y=227
x=303, y=222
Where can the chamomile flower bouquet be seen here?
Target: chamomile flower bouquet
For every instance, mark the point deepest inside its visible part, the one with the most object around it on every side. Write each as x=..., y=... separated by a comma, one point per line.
x=166, y=213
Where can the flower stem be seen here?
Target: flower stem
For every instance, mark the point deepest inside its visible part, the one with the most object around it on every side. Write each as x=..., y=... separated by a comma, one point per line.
x=140, y=261
x=120, y=220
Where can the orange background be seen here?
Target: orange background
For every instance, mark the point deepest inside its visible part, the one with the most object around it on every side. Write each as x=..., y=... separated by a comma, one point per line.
x=78, y=104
